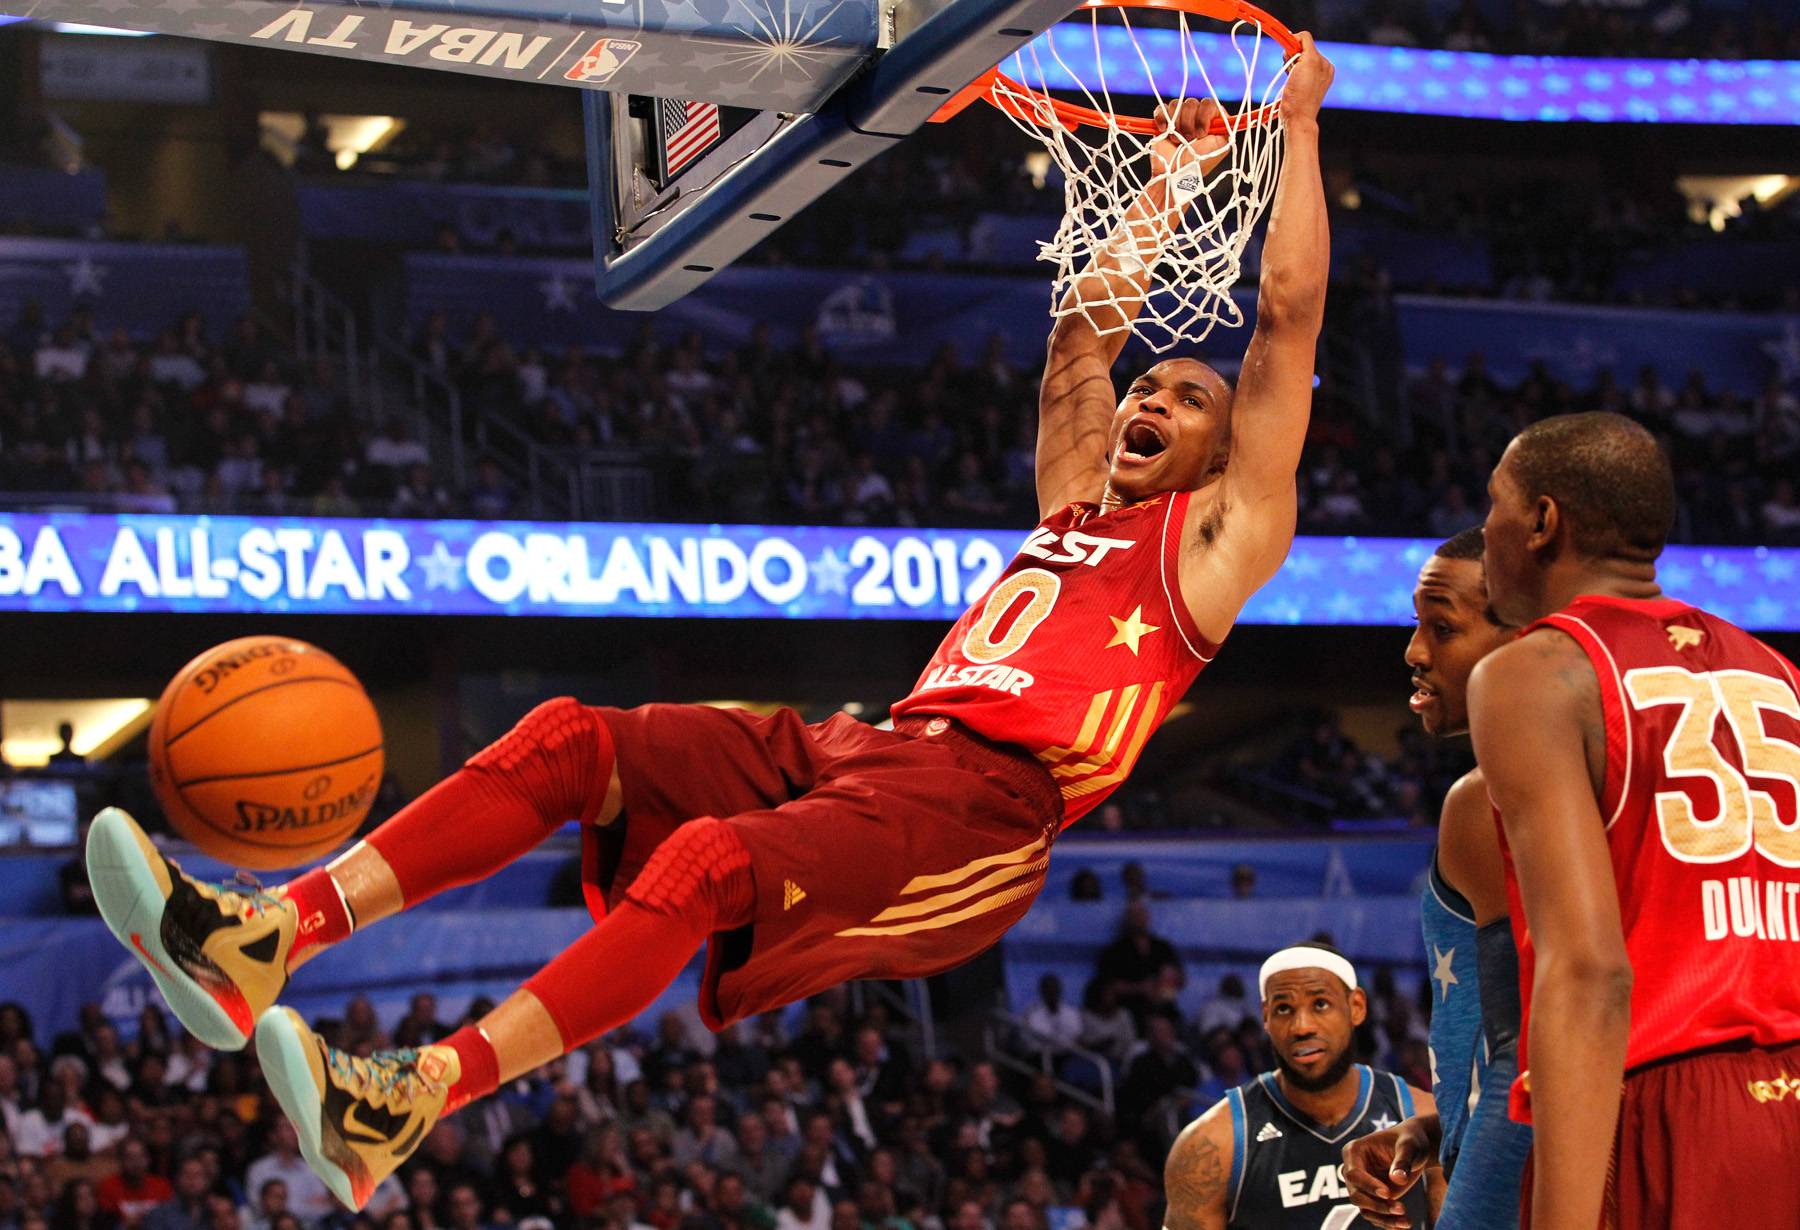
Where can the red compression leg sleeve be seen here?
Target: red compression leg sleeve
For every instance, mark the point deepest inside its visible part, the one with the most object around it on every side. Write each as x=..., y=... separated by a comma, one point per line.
x=553, y=767
x=696, y=883
x=324, y=914
x=480, y=1066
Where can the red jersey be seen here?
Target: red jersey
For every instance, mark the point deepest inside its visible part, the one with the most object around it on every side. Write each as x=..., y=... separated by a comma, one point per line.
x=1079, y=650
x=1702, y=810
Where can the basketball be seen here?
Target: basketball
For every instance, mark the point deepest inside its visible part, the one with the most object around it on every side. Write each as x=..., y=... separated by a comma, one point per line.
x=265, y=752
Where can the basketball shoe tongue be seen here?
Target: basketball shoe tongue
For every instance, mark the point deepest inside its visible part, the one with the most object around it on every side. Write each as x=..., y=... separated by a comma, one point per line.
x=217, y=952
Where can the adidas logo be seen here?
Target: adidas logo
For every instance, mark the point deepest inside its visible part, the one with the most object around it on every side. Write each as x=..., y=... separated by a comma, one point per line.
x=1269, y=1132
x=791, y=894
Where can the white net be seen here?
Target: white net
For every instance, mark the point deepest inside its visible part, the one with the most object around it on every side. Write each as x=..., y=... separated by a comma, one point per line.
x=1194, y=254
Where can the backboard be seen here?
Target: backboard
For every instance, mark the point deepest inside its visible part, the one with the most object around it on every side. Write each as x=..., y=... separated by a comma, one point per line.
x=659, y=235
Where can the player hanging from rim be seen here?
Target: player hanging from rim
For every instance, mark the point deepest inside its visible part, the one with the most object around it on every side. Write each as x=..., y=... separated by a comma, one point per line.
x=815, y=855
x=1468, y=943
x=1644, y=759
x=1265, y=1157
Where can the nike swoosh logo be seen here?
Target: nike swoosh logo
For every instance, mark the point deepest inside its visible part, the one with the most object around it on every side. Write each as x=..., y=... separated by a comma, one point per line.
x=412, y=1140
x=137, y=942
x=372, y=1123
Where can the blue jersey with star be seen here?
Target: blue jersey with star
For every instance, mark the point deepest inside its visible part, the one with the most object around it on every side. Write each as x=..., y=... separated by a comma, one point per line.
x=1458, y=1048
x=1284, y=1163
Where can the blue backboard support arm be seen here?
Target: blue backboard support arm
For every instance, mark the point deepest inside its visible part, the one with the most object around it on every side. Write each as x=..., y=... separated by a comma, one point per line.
x=897, y=95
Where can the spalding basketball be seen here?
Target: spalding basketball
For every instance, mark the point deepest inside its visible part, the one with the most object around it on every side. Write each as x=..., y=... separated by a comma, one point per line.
x=265, y=752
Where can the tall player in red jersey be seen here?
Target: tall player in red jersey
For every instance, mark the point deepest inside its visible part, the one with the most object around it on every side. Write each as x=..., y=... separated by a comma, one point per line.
x=814, y=854
x=1644, y=757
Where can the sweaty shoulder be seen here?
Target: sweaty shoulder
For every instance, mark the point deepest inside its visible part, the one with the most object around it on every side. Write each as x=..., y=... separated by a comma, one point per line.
x=1197, y=1175
x=1469, y=847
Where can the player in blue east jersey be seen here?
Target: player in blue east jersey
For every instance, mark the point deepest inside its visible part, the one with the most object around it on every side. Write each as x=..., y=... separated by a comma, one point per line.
x=1265, y=1157
x=1468, y=942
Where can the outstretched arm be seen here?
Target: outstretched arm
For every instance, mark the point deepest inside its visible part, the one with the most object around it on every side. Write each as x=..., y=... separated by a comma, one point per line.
x=1274, y=390
x=1197, y=1176
x=1534, y=710
x=1077, y=399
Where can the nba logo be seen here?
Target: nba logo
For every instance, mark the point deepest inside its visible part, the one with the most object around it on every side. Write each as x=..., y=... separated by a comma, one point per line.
x=599, y=62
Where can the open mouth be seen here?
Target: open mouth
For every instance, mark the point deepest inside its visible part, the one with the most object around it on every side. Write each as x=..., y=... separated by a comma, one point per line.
x=1307, y=1051
x=1142, y=441
x=1423, y=695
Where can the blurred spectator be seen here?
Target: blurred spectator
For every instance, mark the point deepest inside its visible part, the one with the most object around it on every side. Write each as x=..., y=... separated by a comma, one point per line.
x=420, y=1026
x=1132, y=962
x=41, y=1129
x=1054, y=1024
x=307, y=1196
x=185, y=1209
x=76, y=1161
x=1106, y=1024
x=271, y=1205
x=466, y=1208
x=1243, y=881
x=803, y=1206
x=134, y=1190
x=1226, y=1009
x=66, y=757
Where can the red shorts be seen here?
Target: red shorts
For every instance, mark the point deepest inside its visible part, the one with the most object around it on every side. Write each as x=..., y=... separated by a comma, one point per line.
x=875, y=854
x=1705, y=1140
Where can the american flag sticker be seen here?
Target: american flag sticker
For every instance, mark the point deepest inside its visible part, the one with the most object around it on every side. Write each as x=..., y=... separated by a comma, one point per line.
x=689, y=129
x=600, y=61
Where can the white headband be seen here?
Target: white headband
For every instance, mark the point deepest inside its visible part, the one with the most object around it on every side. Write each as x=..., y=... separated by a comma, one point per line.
x=1305, y=956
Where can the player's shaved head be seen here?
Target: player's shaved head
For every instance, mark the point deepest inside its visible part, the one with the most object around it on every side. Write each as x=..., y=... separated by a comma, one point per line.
x=1607, y=475
x=1467, y=544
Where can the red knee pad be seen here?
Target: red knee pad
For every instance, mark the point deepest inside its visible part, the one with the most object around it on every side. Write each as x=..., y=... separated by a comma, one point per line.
x=560, y=755
x=702, y=868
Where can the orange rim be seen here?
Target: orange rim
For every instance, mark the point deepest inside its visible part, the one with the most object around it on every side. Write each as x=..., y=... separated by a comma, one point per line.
x=1009, y=95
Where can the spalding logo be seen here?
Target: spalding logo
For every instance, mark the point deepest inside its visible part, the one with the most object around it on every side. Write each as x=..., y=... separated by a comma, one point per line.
x=254, y=817
x=213, y=673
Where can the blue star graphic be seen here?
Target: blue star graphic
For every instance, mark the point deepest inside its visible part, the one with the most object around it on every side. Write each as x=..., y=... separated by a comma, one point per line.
x=559, y=293
x=1304, y=565
x=85, y=277
x=830, y=574
x=1778, y=566
x=1678, y=576
x=1785, y=350
x=1284, y=611
x=442, y=569
x=1765, y=612
x=1362, y=562
x=1343, y=607
x=1727, y=573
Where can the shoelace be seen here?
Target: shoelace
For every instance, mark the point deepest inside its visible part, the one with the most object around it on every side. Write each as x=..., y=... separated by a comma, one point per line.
x=384, y=1072
x=245, y=889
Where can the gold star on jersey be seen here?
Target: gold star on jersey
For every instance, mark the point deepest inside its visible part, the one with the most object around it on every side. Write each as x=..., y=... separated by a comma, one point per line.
x=1130, y=630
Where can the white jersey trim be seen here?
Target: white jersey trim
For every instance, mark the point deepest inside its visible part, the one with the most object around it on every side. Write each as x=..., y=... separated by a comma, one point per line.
x=1162, y=569
x=1625, y=711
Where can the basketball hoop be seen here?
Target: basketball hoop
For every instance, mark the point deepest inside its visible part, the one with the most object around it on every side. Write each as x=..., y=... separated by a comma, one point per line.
x=1104, y=156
